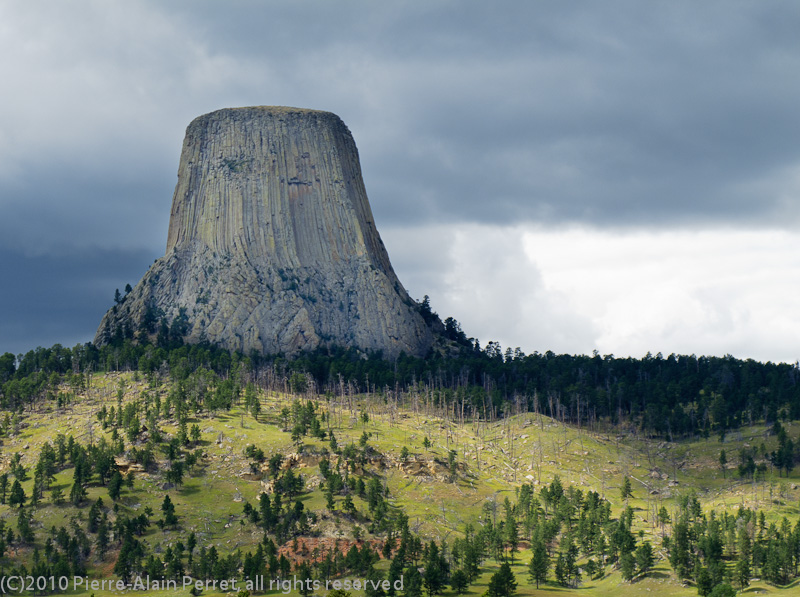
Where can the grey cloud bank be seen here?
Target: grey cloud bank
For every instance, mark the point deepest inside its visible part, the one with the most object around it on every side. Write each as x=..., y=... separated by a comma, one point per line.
x=620, y=116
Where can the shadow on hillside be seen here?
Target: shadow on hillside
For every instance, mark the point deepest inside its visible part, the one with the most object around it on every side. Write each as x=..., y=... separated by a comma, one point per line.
x=189, y=490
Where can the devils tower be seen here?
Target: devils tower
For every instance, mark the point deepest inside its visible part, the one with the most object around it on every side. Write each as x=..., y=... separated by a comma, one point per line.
x=272, y=244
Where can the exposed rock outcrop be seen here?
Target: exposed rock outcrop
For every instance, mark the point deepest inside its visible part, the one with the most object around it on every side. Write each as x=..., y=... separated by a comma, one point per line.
x=272, y=244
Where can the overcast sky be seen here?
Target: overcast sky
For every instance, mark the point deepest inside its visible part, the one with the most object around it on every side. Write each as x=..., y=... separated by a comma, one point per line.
x=619, y=176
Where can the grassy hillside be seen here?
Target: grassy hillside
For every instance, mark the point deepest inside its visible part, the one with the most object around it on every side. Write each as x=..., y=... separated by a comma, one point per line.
x=461, y=475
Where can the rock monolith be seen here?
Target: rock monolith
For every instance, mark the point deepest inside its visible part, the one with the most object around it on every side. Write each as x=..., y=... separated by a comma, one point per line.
x=272, y=245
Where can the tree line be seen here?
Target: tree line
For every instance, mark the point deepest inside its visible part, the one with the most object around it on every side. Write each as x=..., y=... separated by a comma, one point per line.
x=673, y=397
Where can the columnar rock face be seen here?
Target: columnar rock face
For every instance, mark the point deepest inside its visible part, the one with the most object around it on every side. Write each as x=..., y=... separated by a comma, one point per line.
x=272, y=244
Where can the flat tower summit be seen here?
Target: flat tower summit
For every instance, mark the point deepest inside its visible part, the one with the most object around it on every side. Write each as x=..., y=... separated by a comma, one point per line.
x=272, y=245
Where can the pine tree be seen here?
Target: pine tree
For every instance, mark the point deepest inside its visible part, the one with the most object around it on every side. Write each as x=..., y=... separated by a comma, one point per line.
x=704, y=581
x=3, y=487
x=627, y=566
x=304, y=574
x=663, y=517
x=78, y=491
x=168, y=508
x=570, y=562
x=94, y=516
x=396, y=570
x=17, y=496
x=626, y=491
x=436, y=570
x=459, y=581
x=559, y=571
x=473, y=552
x=644, y=558
x=115, y=485
x=330, y=504
x=540, y=562
x=101, y=542
x=742, y=573
x=502, y=583
x=680, y=557
x=722, y=590
x=24, y=528
x=57, y=495
x=191, y=543
x=510, y=530
x=412, y=586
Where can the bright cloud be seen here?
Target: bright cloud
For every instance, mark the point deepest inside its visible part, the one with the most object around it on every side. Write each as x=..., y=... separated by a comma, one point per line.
x=702, y=292
x=578, y=290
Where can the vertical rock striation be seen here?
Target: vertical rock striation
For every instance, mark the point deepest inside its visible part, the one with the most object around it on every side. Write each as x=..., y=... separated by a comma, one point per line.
x=272, y=245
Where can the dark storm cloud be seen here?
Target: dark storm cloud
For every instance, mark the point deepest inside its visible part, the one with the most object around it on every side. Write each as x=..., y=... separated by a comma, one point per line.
x=59, y=208
x=617, y=114
x=60, y=297
x=620, y=114
x=607, y=115
x=670, y=119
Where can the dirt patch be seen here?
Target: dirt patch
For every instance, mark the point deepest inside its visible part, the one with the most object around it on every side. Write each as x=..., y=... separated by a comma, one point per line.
x=314, y=549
